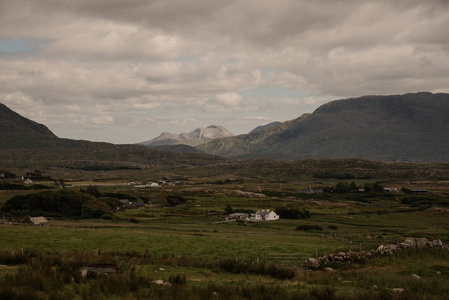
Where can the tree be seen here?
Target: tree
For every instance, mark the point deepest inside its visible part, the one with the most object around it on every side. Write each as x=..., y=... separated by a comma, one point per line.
x=92, y=190
x=228, y=209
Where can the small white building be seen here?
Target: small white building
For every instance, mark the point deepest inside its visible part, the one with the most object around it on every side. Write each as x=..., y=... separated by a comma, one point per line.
x=38, y=221
x=266, y=215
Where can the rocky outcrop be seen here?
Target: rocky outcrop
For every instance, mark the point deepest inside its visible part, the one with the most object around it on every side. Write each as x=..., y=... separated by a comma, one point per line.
x=382, y=250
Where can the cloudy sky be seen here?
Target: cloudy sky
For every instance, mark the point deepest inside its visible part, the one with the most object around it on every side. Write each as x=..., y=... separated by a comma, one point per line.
x=126, y=71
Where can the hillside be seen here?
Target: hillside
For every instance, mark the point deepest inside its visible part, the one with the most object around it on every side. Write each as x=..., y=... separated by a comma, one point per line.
x=265, y=126
x=196, y=137
x=410, y=127
x=24, y=140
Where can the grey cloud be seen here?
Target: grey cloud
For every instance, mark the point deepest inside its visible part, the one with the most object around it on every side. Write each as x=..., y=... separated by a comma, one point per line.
x=104, y=62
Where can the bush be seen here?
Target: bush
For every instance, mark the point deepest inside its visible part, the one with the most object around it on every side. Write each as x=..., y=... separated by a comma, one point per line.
x=309, y=227
x=177, y=279
x=292, y=213
x=174, y=200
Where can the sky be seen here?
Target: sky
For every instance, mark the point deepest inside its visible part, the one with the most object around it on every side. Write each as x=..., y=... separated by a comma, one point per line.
x=125, y=71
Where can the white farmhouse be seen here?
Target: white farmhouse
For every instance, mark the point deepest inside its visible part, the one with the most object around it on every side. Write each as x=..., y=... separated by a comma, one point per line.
x=266, y=215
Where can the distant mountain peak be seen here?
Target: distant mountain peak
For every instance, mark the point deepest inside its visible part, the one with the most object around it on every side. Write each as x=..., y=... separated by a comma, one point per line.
x=193, y=138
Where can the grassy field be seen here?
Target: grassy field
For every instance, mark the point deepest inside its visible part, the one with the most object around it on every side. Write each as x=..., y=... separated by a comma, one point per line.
x=225, y=260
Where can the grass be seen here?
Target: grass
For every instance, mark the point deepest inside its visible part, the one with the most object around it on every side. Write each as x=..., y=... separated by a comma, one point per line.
x=185, y=231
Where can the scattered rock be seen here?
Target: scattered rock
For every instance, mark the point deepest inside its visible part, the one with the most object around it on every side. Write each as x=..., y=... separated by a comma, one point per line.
x=84, y=273
x=312, y=263
x=438, y=272
x=421, y=243
x=161, y=282
x=410, y=242
x=397, y=290
x=414, y=276
x=327, y=269
x=374, y=287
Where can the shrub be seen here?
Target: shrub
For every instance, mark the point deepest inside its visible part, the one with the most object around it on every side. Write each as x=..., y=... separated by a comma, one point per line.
x=177, y=279
x=309, y=227
x=174, y=200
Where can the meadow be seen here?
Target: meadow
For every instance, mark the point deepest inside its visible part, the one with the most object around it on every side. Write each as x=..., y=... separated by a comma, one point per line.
x=215, y=259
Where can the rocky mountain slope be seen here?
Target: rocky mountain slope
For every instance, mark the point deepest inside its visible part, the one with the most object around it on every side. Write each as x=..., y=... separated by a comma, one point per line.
x=194, y=138
x=410, y=127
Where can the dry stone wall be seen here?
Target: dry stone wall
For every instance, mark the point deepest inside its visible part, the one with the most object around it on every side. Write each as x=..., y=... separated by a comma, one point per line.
x=383, y=250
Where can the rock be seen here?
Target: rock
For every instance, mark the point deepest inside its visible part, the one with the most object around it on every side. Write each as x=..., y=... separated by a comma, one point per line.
x=327, y=269
x=391, y=247
x=161, y=282
x=414, y=276
x=438, y=272
x=84, y=273
x=421, y=243
x=397, y=290
x=410, y=242
x=374, y=287
x=312, y=263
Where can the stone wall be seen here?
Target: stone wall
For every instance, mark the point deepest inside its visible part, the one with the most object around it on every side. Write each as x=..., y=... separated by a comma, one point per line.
x=383, y=250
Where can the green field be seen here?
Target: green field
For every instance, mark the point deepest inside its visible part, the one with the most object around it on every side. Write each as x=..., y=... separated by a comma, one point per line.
x=228, y=258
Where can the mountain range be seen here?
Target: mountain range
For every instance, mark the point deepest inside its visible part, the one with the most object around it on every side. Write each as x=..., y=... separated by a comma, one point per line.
x=410, y=127
x=196, y=137
x=23, y=140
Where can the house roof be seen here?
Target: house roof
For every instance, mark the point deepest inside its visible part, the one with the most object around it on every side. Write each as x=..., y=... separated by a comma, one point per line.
x=38, y=220
x=263, y=212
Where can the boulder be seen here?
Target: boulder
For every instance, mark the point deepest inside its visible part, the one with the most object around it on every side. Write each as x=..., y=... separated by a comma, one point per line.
x=437, y=243
x=311, y=263
x=410, y=242
x=414, y=276
x=421, y=243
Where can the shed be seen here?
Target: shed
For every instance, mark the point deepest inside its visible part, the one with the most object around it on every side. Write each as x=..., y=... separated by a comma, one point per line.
x=38, y=221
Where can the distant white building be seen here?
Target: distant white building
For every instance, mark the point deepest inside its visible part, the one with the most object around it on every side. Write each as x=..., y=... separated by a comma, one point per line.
x=266, y=215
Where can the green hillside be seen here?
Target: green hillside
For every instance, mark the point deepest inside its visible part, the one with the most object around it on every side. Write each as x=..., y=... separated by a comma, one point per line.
x=410, y=127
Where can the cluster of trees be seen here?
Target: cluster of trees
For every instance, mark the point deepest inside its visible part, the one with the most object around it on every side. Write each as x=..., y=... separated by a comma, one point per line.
x=61, y=203
x=343, y=188
x=292, y=213
x=8, y=175
x=37, y=175
x=15, y=186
